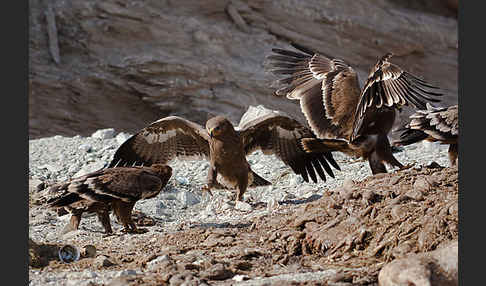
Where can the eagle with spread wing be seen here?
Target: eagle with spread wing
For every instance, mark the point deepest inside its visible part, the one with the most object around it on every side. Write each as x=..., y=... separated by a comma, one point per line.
x=226, y=148
x=435, y=124
x=343, y=116
x=116, y=189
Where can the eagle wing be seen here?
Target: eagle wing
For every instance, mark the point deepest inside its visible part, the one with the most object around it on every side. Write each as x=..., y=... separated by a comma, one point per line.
x=162, y=141
x=389, y=85
x=440, y=123
x=278, y=134
x=327, y=88
x=128, y=184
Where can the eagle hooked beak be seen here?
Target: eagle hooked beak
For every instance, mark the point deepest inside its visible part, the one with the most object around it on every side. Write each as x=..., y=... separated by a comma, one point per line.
x=211, y=133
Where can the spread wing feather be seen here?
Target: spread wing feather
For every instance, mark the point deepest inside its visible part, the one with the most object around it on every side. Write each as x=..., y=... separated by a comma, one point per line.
x=162, y=141
x=327, y=89
x=124, y=183
x=436, y=123
x=389, y=85
x=275, y=133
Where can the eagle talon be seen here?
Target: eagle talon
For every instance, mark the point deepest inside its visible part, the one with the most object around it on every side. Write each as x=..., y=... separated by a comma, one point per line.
x=207, y=188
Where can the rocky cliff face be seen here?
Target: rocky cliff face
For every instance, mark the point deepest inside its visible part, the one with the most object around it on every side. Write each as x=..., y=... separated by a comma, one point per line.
x=124, y=64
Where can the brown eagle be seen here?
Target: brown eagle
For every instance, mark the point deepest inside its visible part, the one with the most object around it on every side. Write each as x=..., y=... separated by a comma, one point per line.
x=116, y=189
x=344, y=116
x=435, y=124
x=226, y=148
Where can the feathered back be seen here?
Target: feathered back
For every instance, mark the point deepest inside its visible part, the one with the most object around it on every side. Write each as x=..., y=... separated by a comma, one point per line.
x=436, y=123
x=127, y=184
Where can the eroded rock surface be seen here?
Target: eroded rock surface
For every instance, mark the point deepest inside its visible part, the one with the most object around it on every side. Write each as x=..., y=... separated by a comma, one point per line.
x=434, y=268
x=124, y=64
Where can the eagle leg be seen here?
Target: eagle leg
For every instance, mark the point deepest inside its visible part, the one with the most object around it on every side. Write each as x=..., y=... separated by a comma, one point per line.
x=376, y=164
x=384, y=153
x=104, y=218
x=242, y=185
x=74, y=221
x=211, y=183
x=123, y=211
x=453, y=154
x=207, y=188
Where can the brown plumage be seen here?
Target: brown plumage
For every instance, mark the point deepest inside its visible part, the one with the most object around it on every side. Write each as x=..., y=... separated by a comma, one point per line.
x=343, y=116
x=116, y=189
x=435, y=124
x=226, y=148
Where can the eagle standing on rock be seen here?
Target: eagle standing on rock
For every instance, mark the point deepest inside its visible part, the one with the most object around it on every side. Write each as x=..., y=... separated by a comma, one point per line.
x=226, y=148
x=112, y=188
x=343, y=116
x=435, y=124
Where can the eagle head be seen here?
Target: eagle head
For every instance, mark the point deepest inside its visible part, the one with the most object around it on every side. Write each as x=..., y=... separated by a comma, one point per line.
x=217, y=126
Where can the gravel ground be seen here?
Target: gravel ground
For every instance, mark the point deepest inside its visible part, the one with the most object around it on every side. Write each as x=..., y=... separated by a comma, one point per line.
x=58, y=158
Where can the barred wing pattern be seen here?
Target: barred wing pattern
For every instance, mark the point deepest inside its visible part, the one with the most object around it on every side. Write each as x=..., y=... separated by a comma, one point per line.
x=327, y=89
x=389, y=85
x=162, y=141
x=278, y=134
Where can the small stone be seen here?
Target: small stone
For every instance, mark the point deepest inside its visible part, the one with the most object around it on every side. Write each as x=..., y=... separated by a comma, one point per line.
x=415, y=194
x=239, y=277
x=51, y=168
x=104, y=133
x=272, y=205
x=36, y=185
x=429, y=146
x=348, y=183
x=85, y=147
x=127, y=272
x=421, y=184
x=433, y=165
x=296, y=180
x=217, y=272
x=160, y=208
x=226, y=206
x=153, y=264
x=242, y=206
x=88, y=251
x=187, y=198
x=434, y=268
x=398, y=211
x=91, y=274
x=370, y=197
x=183, y=278
x=73, y=168
x=182, y=180
x=103, y=261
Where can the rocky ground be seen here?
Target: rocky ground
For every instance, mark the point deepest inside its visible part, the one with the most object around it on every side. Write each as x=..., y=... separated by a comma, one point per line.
x=339, y=232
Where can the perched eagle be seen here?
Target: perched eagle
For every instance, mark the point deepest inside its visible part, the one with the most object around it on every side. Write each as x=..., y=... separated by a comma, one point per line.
x=116, y=189
x=435, y=124
x=343, y=116
x=226, y=148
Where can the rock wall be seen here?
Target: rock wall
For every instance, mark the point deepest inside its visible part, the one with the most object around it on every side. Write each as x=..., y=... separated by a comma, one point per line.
x=123, y=64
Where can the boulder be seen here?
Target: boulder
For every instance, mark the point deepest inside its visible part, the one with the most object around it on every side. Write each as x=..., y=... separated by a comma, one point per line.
x=434, y=268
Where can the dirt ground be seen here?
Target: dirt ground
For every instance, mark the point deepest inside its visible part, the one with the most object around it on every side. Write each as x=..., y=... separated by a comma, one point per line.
x=354, y=230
